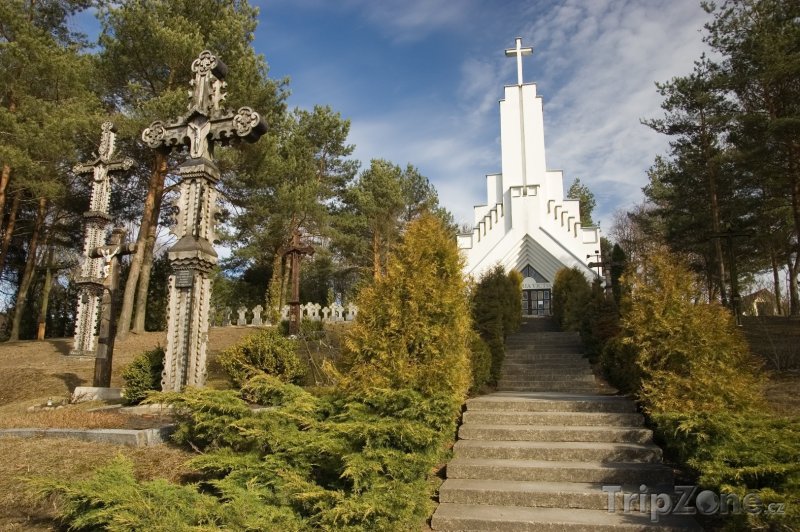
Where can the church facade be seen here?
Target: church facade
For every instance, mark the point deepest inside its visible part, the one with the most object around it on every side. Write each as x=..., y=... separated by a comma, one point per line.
x=527, y=224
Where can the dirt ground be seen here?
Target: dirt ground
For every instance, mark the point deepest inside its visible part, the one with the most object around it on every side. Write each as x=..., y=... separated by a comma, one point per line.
x=32, y=372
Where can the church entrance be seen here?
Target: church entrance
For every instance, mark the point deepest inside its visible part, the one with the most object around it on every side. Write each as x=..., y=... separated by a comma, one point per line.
x=536, y=292
x=536, y=303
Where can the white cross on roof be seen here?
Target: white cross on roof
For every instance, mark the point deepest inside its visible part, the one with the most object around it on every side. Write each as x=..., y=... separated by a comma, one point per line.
x=519, y=51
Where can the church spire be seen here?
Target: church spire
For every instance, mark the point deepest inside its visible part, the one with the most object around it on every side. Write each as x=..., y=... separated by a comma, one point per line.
x=519, y=51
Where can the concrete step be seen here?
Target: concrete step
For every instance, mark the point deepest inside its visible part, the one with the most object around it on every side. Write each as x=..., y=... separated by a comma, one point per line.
x=555, y=433
x=571, y=376
x=538, y=450
x=574, y=375
x=490, y=417
x=555, y=471
x=532, y=356
x=546, y=349
x=551, y=402
x=545, y=494
x=480, y=517
x=548, y=387
x=567, y=382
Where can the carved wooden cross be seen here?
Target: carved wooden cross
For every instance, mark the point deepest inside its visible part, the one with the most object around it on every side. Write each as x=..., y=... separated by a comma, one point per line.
x=206, y=123
x=192, y=258
x=102, y=166
x=111, y=255
x=295, y=252
x=89, y=279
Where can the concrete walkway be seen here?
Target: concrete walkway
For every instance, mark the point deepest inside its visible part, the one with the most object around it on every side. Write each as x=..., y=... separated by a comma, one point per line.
x=537, y=454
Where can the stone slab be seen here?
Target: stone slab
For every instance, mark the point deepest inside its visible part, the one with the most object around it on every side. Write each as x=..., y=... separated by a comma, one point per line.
x=95, y=393
x=128, y=437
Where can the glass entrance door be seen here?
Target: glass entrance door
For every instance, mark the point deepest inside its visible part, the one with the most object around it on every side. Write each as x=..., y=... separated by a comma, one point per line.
x=536, y=303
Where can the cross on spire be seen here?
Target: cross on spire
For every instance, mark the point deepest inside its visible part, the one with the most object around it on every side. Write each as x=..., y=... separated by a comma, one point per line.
x=519, y=51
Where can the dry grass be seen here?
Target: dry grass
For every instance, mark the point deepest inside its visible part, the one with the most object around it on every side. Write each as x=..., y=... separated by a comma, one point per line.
x=783, y=393
x=20, y=510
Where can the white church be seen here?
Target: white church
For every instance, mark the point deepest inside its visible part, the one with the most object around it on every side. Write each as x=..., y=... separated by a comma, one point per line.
x=526, y=224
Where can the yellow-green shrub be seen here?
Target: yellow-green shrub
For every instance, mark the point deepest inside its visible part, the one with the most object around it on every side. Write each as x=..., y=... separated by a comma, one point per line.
x=143, y=375
x=266, y=351
x=413, y=330
x=689, y=353
x=571, y=294
x=497, y=311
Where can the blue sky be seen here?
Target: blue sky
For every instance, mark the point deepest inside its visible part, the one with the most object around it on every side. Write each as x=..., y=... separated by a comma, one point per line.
x=420, y=81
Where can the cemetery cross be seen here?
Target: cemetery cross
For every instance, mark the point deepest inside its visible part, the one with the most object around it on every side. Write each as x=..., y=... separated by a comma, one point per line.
x=294, y=252
x=193, y=257
x=89, y=282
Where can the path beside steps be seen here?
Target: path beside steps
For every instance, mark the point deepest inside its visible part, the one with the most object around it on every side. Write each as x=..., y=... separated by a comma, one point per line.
x=536, y=454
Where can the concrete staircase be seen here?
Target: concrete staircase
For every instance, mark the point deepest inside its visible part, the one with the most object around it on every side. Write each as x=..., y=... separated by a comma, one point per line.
x=536, y=455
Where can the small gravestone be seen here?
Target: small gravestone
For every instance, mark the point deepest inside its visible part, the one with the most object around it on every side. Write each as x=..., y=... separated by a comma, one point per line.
x=352, y=312
x=337, y=310
x=242, y=320
x=226, y=317
x=325, y=313
x=257, y=310
x=212, y=317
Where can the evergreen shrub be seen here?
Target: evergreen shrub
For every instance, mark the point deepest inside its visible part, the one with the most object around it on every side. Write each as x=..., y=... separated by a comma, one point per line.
x=143, y=375
x=359, y=457
x=497, y=311
x=571, y=294
x=696, y=380
x=690, y=354
x=266, y=351
x=480, y=361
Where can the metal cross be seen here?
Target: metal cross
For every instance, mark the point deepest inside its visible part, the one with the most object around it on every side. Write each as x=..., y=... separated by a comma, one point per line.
x=519, y=51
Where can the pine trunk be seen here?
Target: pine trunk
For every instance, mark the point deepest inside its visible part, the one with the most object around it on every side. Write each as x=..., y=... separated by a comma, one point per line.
x=376, y=255
x=794, y=297
x=27, y=274
x=155, y=187
x=147, y=261
x=9, y=231
x=45, y=301
x=776, y=282
x=5, y=175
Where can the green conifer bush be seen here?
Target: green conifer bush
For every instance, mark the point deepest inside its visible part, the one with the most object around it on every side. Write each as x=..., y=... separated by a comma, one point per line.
x=701, y=388
x=359, y=457
x=497, y=311
x=571, y=294
x=480, y=362
x=415, y=330
x=143, y=375
x=266, y=351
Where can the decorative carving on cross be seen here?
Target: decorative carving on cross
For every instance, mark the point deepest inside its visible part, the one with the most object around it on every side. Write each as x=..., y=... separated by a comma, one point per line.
x=206, y=123
x=192, y=257
x=93, y=269
x=519, y=51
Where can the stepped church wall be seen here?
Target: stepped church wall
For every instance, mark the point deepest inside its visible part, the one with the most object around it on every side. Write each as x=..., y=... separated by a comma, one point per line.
x=526, y=223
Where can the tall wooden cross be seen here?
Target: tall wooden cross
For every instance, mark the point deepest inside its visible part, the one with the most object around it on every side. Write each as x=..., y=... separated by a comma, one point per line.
x=295, y=251
x=90, y=285
x=519, y=51
x=110, y=257
x=193, y=257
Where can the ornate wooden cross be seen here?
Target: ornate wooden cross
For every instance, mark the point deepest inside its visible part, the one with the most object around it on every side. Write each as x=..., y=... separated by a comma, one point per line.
x=109, y=256
x=295, y=251
x=192, y=257
x=90, y=284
